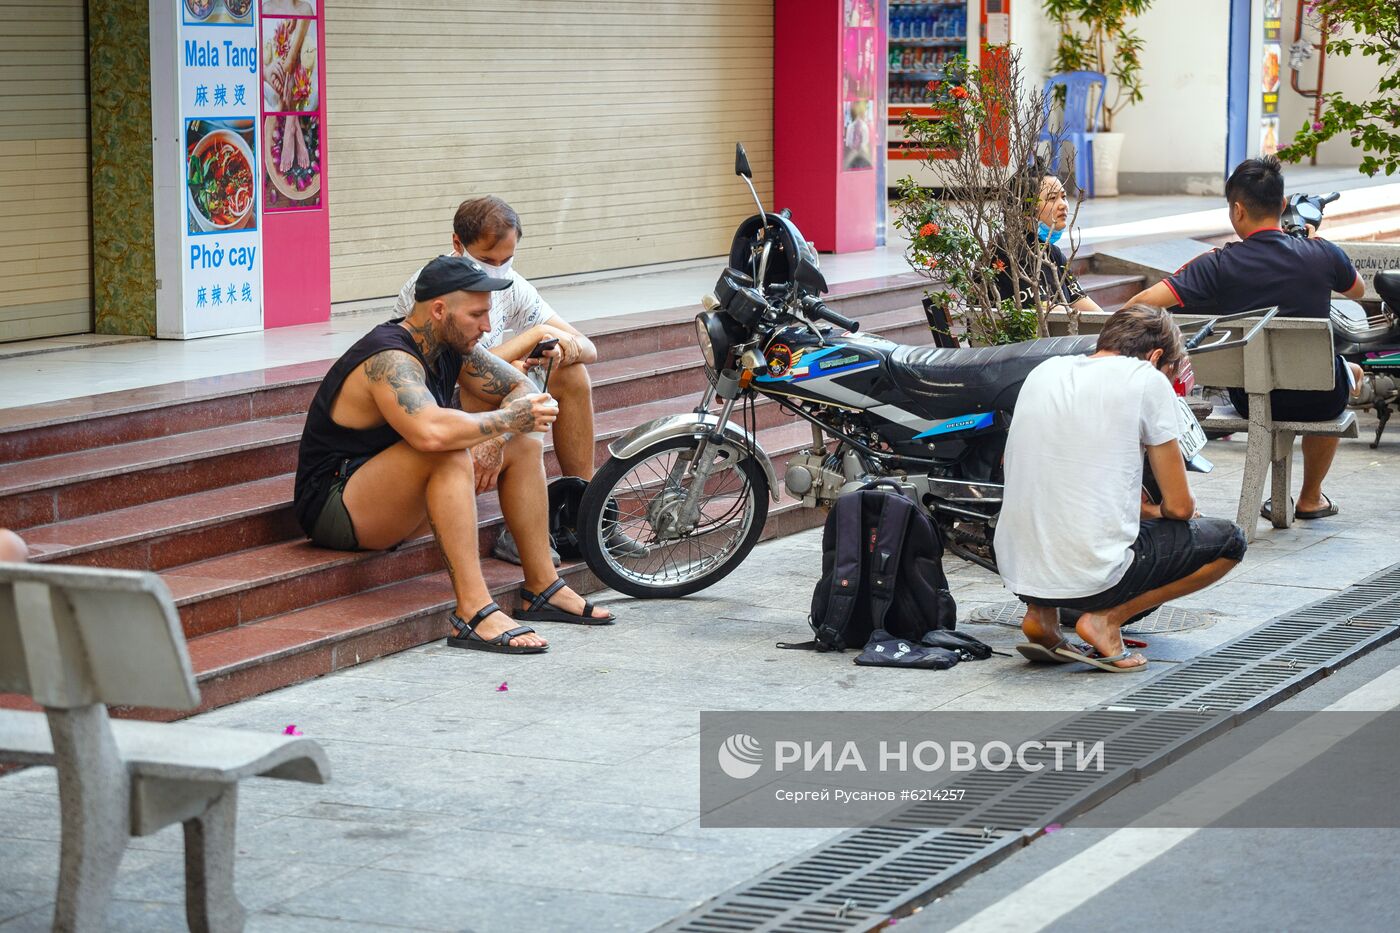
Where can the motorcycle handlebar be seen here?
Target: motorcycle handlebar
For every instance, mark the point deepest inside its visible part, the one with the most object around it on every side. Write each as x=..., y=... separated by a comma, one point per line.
x=816, y=308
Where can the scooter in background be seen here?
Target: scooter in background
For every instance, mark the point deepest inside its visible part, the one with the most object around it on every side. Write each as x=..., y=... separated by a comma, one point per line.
x=1369, y=339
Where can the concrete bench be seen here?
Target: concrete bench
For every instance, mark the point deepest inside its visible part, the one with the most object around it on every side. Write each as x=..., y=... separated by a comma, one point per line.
x=1287, y=353
x=76, y=639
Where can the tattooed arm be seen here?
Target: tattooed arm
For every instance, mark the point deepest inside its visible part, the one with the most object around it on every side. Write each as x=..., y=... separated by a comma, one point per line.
x=491, y=379
x=397, y=386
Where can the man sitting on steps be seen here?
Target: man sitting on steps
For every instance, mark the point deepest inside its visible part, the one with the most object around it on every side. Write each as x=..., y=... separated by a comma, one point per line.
x=488, y=231
x=384, y=458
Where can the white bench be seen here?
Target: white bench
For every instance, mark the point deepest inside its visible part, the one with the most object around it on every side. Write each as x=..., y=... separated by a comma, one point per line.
x=75, y=639
x=1287, y=353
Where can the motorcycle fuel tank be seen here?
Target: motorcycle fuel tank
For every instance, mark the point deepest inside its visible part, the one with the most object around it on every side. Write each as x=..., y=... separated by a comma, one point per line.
x=849, y=371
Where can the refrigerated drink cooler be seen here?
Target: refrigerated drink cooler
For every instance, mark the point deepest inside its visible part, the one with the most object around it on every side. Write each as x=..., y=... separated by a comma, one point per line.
x=924, y=37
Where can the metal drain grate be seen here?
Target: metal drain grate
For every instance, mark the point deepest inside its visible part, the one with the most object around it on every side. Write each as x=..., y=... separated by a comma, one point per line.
x=1164, y=621
x=857, y=880
x=868, y=873
x=742, y=915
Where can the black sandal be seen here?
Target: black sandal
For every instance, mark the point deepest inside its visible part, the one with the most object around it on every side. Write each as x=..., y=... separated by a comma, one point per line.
x=468, y=638
x=541, y=611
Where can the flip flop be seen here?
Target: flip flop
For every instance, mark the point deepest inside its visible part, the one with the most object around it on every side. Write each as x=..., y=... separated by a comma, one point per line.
x=1100, y=661
x=468, y=638
x=1330, y=509
x=1040, y=654
x=541, y=610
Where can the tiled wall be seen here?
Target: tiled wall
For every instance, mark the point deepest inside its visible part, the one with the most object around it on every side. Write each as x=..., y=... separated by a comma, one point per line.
x=123, y=224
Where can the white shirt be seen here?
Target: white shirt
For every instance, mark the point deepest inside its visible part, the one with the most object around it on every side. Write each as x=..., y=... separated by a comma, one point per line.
x=515, y=309
x=1073, y=469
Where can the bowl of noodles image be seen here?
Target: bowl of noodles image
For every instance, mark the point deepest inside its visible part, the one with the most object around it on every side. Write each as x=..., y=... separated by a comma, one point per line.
x=220, y=183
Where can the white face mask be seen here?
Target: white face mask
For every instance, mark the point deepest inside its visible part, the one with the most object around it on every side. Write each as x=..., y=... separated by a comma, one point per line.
x=496, y=272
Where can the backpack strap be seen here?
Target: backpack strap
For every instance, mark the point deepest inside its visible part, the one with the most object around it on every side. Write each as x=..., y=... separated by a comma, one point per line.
x=884, y=545
x=845, y=573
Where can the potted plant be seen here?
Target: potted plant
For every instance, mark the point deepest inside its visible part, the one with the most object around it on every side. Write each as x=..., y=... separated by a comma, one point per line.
x=1094, y=36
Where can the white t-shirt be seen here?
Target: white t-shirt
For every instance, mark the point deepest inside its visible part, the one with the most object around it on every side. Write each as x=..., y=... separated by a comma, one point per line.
x=1073, y=468
x=515, y=309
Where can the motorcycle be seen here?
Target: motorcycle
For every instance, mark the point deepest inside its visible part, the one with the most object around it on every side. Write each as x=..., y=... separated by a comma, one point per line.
x=1369, y=339
x=694, y=489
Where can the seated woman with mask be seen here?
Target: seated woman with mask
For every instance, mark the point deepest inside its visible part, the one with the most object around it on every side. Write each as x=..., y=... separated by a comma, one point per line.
x=1057, y=283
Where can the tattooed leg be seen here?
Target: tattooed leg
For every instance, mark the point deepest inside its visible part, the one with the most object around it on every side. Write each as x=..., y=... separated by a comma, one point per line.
x=388, y=499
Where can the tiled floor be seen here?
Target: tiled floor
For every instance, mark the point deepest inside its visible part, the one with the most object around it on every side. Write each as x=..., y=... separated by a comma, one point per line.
x=570, y=798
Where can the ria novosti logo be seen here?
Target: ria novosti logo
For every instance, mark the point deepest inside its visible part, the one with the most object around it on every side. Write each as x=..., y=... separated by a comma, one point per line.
x=740, y=756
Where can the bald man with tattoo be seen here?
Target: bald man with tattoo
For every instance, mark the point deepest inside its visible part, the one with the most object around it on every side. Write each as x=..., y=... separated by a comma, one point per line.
x=385, y=458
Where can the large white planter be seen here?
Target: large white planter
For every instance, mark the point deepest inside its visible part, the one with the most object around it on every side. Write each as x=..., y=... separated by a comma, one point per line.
x=1107, y=148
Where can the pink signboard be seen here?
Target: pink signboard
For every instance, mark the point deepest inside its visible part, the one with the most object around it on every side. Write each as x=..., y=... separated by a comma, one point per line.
x=296, y=218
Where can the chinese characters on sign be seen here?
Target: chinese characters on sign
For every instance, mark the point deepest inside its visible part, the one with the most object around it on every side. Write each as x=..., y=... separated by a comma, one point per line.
x=219, y=93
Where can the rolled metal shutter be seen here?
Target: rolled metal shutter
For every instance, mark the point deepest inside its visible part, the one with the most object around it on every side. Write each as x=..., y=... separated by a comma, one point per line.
x=608, y=124
x=45, y=228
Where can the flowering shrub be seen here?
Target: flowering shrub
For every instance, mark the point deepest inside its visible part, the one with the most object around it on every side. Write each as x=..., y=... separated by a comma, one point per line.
x=1373, y=123
x=986, y=123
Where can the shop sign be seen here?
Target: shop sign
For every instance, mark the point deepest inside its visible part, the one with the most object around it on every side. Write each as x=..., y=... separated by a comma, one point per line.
x=209, y=176
x=1270, y=77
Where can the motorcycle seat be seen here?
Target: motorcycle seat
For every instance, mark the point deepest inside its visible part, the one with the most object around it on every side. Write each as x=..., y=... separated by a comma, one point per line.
x=1388, y=287
x=977, y=378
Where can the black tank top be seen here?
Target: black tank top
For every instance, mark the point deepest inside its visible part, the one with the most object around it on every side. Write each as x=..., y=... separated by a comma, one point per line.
x=325, y=444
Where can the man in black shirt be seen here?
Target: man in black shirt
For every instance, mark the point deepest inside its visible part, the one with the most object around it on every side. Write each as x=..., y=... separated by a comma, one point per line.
x=1268, y=267
x=384, y=457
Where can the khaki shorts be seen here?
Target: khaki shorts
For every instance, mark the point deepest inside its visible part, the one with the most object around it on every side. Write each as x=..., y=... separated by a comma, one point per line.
x=333, y=528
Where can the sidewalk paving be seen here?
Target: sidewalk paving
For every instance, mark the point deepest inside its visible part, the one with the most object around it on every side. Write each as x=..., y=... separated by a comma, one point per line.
x=570, y=799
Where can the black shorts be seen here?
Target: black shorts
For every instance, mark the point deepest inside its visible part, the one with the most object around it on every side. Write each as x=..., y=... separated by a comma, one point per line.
x=1296, y=405
x=1165, y=551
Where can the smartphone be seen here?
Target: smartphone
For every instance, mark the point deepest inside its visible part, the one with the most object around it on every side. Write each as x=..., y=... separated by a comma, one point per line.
x=545, y=345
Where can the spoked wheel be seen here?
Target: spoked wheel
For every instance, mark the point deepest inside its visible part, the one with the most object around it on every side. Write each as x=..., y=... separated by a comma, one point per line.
x=633, y=526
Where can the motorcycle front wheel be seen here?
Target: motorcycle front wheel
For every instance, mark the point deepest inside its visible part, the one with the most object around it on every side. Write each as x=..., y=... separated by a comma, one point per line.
x=629, y=527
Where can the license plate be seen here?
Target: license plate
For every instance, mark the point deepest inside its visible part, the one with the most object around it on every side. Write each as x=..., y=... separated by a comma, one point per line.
x=1193, y=437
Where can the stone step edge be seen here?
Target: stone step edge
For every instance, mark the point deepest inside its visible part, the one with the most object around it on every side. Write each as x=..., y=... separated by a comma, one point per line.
x=85, y=408
x=421, y=624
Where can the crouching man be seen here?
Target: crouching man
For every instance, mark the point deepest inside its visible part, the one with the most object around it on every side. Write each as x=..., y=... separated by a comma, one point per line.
x=384, y=458
x=1075, y=530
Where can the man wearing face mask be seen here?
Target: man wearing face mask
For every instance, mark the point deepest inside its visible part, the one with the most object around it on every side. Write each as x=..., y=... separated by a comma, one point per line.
x=1058, y=286
x=488, y=230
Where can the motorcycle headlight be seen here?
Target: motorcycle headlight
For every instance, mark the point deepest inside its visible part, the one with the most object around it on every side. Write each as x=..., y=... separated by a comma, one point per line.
x=702, y=337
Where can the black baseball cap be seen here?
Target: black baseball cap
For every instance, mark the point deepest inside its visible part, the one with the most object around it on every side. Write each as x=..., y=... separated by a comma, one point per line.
x=454, y=274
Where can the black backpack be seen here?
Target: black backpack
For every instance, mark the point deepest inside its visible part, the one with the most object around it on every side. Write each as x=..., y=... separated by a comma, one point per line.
x=882, y=568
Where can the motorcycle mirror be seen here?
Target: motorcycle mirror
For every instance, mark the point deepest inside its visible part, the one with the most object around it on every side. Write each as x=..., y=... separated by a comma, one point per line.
x=1309, y=213
x=741, y=161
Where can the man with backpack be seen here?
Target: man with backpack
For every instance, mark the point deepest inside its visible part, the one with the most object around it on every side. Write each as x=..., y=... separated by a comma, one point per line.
x=1075, y=529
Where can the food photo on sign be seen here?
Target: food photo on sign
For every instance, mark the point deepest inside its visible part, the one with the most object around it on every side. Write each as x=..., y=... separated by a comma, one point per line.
x=218, y=12
x=289, y=7
x=291, y=161
x=289, y=65
x=219, y=175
